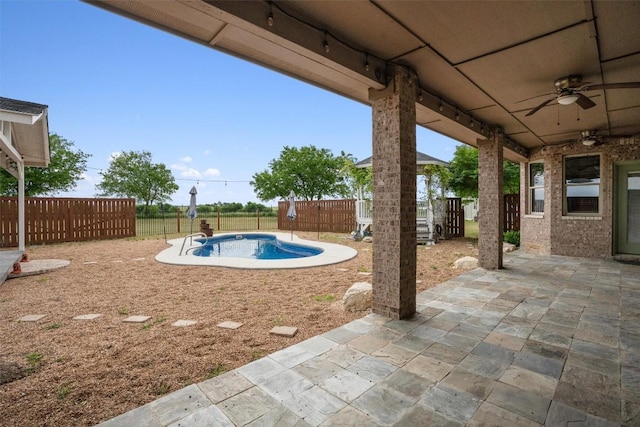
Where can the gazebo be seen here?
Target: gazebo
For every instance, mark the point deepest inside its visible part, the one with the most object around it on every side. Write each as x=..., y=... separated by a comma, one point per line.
x=24, y=141
x=427, y=221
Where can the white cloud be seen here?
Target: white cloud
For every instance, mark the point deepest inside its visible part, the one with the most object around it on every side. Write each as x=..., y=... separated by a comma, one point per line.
x=190, y=173
x=211, y=172
x=186, y=159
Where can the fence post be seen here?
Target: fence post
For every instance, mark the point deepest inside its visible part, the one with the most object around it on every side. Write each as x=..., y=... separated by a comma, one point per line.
x=178, y=218
x=218, y=219
x=258, y=214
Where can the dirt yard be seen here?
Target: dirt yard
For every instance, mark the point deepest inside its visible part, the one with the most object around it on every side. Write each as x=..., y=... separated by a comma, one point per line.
x=63, y=372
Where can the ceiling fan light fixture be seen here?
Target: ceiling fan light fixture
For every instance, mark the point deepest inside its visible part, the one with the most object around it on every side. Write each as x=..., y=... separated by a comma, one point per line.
x=588, y=141
x=567, y=99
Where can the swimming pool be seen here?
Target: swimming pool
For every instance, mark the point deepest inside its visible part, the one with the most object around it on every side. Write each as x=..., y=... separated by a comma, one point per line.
x=252, y=245
x=331, y=253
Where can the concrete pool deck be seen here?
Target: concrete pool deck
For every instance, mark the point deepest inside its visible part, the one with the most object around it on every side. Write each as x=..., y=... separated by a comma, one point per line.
x=548, y=340
x=332, y=254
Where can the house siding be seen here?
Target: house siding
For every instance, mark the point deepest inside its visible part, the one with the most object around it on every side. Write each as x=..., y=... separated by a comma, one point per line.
x=584, y=236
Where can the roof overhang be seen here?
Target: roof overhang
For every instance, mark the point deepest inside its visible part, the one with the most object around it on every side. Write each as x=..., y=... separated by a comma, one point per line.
x=476, y=61
x=24, y=134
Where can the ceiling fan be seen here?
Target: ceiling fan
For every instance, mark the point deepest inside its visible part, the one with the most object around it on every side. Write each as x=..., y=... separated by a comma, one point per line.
x=569, y=90
x=590, y=138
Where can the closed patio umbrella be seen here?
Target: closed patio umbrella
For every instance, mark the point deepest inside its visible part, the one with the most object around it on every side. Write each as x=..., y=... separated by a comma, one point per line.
x=192, y=213
x=291, y=213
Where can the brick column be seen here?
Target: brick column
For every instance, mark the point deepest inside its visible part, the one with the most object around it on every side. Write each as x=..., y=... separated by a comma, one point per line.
x=394, y=197
x=490, y=200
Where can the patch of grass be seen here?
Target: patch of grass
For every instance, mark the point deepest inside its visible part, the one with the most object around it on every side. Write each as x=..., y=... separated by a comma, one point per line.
x=279, y=320
x=161, y=388
x=36, y=360
x=256, y=354
x=5, y=300
x=434, y=267
x=325, y=298
x=161, y=319
x=123, y=311
x=53, y=326
x=64, y=390
x=363, y=269
x=471, y=229
x=42, y=279
x=217, y=369
x=146, y=326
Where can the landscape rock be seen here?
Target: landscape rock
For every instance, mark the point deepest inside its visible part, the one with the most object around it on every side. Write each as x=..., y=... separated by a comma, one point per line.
x=357, y=297
x=508, y=247
x=466, y=262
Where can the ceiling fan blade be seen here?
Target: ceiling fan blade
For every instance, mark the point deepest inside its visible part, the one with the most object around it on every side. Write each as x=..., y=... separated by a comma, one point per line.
x=534, y=97
x=627, y=85
x=535, y=110
x=585, y=102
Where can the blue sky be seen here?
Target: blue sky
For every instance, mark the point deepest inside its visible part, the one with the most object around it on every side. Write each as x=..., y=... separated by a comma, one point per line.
x=113, y=85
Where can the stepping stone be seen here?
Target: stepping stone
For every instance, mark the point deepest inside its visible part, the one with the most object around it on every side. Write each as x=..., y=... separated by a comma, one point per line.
x=90, y=262
x=136, y=319
x=364, y=273
x=341, y=269
x=117, y=260
x=87, y=317
x=181, y=323
x=229, y=325
x=418, y=281
x=284, y=331
x=31, y=317
x=138, y=259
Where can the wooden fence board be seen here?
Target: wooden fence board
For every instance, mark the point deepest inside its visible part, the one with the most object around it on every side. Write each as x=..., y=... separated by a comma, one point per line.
x=54, y=220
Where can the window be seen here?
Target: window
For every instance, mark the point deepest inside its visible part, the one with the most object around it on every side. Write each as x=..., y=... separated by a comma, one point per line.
x=536, y=188
x=582, y=185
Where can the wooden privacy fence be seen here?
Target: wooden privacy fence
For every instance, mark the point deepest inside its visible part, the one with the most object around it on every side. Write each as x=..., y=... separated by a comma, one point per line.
x=53, y=220
x=511, y=212
x=455, y=217
x=337, y=216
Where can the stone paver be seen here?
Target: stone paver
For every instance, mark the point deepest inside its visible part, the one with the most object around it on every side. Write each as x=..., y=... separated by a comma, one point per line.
x=136, y=319
x=181, y=323
x=547, y=341
x=227, y=324
x=87, y=316
x=284, y=331
x=32, y=317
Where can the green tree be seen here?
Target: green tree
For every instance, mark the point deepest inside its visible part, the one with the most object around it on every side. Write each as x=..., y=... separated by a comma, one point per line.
x=310, y=172
x=131, y=174
x=357, y=179
x=66, y=167
x=464, y=173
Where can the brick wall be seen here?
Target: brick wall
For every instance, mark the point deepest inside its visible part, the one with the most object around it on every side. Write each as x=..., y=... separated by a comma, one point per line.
x=585, y=236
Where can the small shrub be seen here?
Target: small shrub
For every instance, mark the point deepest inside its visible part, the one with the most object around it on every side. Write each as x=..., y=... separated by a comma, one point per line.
x=123, y=311
x=35, y=360
x=256, y=354
x=512, y=237
x=161, y=389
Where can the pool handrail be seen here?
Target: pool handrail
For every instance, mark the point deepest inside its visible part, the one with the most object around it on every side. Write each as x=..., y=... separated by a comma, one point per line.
x=199, y=234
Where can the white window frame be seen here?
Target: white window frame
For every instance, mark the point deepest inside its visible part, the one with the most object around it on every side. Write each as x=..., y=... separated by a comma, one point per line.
x=533, y=187
x=565, y=185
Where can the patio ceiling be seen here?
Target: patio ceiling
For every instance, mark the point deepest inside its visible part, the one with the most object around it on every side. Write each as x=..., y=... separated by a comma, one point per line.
x=474, y=60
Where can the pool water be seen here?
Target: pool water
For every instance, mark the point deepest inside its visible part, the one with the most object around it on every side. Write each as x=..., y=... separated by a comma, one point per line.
x=256, y=246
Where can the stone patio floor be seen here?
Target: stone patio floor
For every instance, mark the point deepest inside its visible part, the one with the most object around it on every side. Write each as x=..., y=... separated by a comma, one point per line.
x=548, y=340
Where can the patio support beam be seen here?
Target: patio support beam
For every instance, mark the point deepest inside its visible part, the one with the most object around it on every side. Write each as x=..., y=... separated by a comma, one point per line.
x=394, y=196
x=490, y=180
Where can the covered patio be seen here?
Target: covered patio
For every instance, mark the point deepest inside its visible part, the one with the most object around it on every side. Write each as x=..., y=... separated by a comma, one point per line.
x=548, y=340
